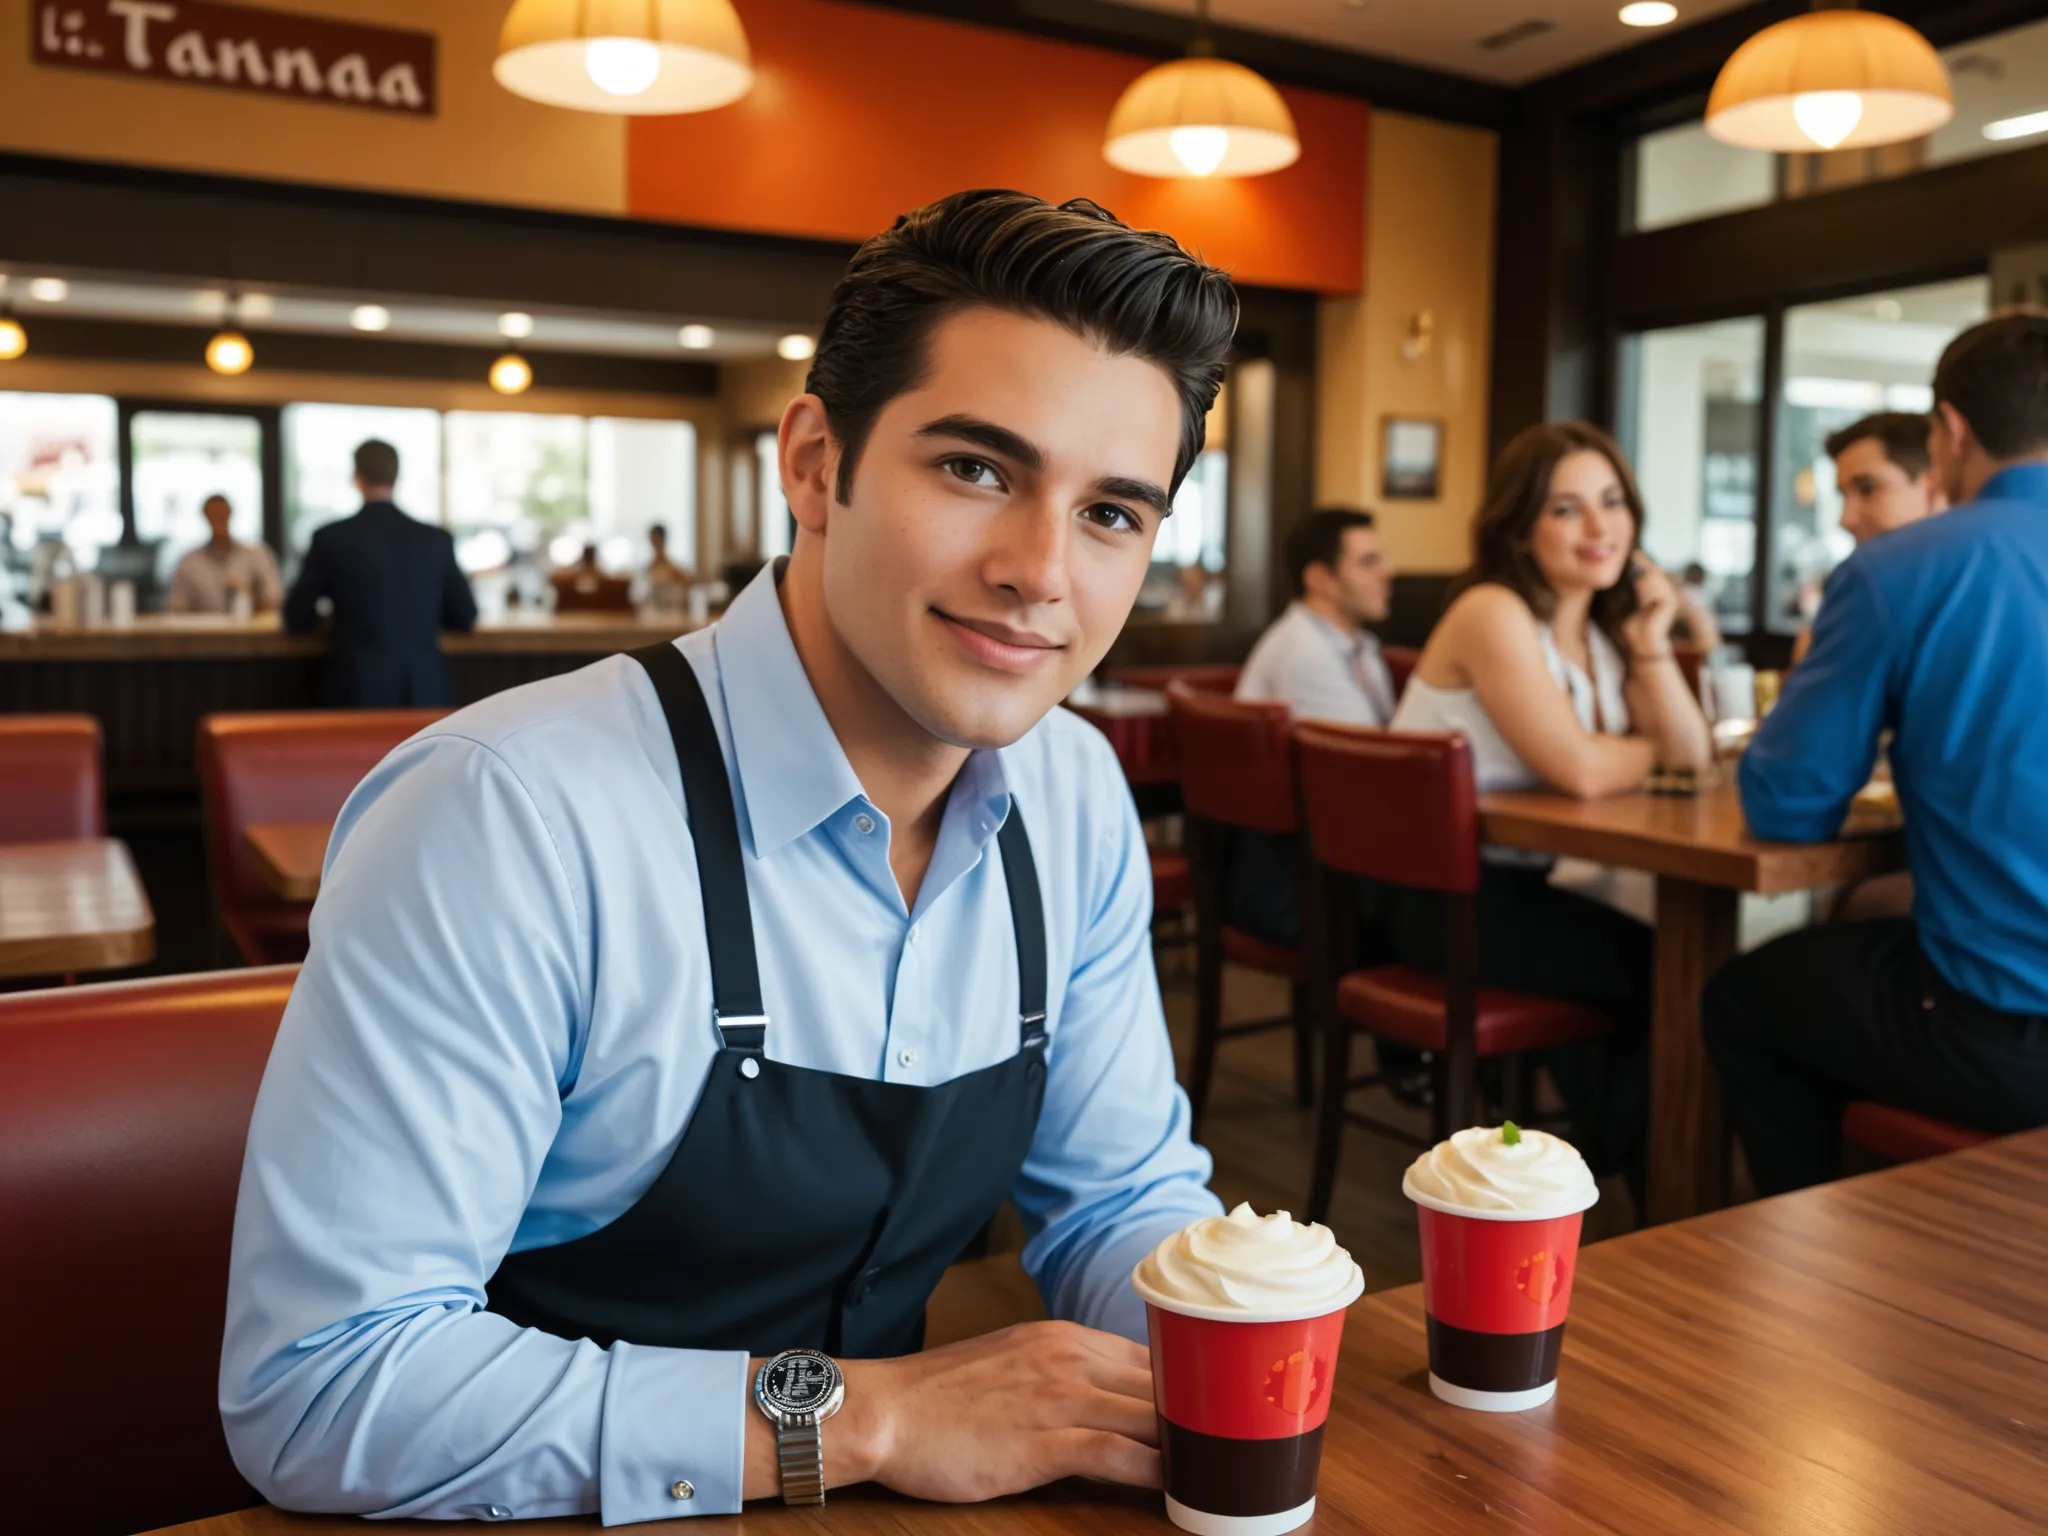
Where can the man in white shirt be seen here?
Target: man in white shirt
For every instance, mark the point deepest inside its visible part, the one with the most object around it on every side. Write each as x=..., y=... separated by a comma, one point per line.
x=208, y=578
x=1318, y=658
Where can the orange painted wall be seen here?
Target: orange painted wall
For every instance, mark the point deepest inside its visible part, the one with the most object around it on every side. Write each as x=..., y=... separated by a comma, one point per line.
x=859, y=113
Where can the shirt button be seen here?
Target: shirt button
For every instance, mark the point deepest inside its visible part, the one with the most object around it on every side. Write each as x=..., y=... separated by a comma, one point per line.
x=863, y=825
x=681, y=1489
x=913, y=935
x=498, y=1512
x=906, y=1057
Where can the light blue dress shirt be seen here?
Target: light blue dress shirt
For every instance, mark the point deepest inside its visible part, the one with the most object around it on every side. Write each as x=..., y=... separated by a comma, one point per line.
x=504, y=1025
x=1319, y=671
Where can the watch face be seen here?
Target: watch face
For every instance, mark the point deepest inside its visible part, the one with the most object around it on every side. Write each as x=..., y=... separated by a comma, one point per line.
x=799, y=1382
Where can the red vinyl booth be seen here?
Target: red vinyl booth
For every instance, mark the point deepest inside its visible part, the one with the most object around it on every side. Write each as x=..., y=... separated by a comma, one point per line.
x=1404, y=810
x=50, y=786
x=296, y=766
x=1236, y=771
x=123, y=1112
x=1400, y=660
x=1901, y=1136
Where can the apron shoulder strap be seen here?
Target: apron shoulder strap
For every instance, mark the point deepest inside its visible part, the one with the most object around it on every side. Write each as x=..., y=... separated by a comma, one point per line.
x=1027, y=920
x=714, y=828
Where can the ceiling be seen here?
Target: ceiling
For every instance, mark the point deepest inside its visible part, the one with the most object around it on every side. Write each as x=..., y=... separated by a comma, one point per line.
x=1448, y=34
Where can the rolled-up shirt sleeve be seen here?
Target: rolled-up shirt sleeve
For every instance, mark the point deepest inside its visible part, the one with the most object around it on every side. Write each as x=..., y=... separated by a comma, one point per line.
x=1815, y=750
x=1112, y=1168
x=412, y=1095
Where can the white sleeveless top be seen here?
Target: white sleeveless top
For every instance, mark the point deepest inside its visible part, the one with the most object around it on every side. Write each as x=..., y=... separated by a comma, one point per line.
x=1495, y=764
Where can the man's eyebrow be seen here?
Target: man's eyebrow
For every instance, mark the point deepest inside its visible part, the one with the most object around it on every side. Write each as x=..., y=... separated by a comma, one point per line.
x=1001, y=440
x=1143, y=491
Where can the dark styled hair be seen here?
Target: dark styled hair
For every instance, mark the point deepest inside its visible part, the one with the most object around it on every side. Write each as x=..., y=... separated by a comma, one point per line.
x=1996, y=375
x=219, y=497
x=377, y=462
x=657, y=531
x=1901, y=434
x=1318, y=539
x=1516, y=490
x=1128, y=291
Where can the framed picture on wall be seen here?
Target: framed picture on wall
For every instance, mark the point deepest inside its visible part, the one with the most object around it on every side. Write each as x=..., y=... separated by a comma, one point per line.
x=1411, y=450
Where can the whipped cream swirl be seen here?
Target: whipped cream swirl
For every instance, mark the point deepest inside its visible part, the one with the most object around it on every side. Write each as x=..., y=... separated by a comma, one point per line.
x=1252, y=1263
x=1478, y=1169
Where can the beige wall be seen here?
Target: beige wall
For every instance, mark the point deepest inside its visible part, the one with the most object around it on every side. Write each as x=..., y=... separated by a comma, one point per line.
x=485, y=144
x=1429, y=248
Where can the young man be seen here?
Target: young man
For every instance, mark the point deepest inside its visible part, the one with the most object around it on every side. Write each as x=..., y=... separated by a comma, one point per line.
x=394, y=586
x=1886, y=480
x=1935, y=633
x=1318, y=657
x=208, y=578
x=705, y=1003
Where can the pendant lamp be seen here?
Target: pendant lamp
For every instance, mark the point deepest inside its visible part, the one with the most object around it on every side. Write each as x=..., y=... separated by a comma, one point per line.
x=1831, y=79
x=1201, y=116
x=13, y=339
x=635, y=57
x=229, y=351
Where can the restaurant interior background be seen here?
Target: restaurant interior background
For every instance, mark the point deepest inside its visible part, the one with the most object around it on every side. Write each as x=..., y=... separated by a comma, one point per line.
x=1488, y=224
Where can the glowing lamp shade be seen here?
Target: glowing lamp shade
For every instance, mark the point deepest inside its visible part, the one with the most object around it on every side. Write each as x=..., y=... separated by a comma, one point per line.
x=638, y=57
x=1830, y=80
x=511, y=374
x=1200, y=117
x=229, y=352
x=13, y=339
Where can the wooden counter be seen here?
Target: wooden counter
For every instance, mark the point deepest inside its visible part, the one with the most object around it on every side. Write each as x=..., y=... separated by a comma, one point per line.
x=149, y=683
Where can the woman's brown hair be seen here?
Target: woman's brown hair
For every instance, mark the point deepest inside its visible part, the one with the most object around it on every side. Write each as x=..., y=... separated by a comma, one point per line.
x=1516, y=491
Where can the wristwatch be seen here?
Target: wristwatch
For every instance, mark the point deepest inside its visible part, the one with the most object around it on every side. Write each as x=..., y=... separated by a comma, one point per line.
x=799, y=1390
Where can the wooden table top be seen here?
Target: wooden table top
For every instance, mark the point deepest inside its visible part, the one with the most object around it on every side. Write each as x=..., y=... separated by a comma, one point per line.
x=1868, y=1356
x=289, y=855
x=189, y=637
x=1701, y=837
x=72, y=907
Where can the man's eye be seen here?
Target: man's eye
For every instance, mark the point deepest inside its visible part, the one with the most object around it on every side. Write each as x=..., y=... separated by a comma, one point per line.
x=1107, y=514
x=973, y=471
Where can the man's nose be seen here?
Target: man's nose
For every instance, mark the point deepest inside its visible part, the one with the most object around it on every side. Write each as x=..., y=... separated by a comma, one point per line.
x=1029, y=551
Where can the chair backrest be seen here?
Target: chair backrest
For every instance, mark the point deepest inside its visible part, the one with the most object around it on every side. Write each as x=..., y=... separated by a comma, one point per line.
x=50, y=784
x=1400, y=660
x=123, y=1112
x=296, y=765
x=1394, y=807
x=593, y=594
x=1210, y=677
x=1236, y=759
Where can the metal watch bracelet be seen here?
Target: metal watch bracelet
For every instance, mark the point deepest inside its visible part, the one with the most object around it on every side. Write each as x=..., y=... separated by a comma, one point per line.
x=800, y=1454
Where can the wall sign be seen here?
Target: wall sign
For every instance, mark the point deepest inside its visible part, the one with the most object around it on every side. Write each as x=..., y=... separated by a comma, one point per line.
x=240, y=48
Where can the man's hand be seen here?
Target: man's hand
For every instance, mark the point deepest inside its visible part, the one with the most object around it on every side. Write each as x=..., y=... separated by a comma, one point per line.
x=987, y=1417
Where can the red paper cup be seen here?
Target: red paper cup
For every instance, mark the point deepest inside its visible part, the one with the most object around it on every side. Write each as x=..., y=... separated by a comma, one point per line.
x=1496, y=1286
x=1242, y=1398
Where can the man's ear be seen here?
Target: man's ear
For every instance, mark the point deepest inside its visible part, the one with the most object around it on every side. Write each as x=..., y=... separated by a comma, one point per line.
x=808, y=455
x=1955, y=426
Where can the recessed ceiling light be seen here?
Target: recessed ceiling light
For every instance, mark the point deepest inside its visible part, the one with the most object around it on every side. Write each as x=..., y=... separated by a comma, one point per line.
x=1889, y=309
x=696, y=337
x=256, y=306
x=795, y=348
x=2022, y=127
x=49, y=290
x=370, y=317
x=1649, y=13
x=516, y=324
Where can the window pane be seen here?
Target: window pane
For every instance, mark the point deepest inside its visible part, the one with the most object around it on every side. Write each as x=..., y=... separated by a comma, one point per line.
x=319, y=465
x=643, y=473
x=177, y=459
x=517, y=485
x=58, y=481
x=1685, y=173
x=771, y=514
x=1692, y=427
x=1844, y=360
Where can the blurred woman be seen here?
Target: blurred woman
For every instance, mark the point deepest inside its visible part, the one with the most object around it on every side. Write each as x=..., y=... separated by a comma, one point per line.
x=1554, y=660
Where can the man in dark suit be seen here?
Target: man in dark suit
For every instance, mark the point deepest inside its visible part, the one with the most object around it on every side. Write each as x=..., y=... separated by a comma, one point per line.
x=394, y=585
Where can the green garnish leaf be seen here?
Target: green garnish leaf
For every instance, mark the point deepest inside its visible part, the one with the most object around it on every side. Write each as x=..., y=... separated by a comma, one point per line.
x=1511, y=1134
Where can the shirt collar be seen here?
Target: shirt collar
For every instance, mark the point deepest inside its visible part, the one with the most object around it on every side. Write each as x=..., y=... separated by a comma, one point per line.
x=2017, y=482
x=793, y=773
x=1358, y=639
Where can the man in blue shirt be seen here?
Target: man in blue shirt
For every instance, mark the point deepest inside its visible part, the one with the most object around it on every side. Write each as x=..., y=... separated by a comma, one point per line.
x=699, y=1007
x=1938, y=633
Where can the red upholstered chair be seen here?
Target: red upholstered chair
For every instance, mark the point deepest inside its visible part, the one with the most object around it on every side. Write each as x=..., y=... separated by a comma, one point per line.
x=1236, y=771
x=50, y=789
x=295, y=766
x=1403, y=810
x=1211, y=677
x=123, y=1110
x=1400, y=660
x=1901, y=1136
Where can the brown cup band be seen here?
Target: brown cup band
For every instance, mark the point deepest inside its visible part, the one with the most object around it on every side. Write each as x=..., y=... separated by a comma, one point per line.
x=1219, y=1476
x=1494, y=1362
